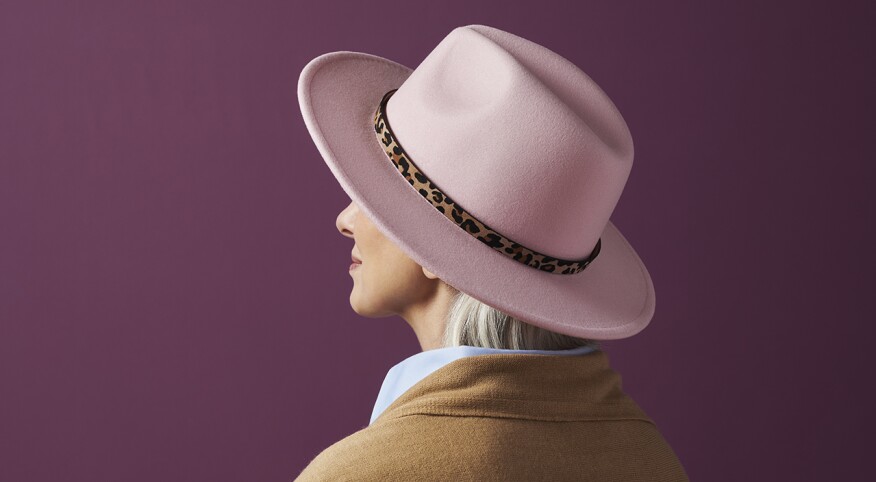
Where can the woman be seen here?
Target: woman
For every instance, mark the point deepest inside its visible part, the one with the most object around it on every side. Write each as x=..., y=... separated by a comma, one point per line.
x=482, y=184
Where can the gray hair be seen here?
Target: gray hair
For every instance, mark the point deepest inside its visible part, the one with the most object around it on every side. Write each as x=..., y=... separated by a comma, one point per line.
x=474, y=323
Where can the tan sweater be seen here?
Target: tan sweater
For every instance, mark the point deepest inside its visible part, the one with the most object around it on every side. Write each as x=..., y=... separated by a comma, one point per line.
x=507, y=417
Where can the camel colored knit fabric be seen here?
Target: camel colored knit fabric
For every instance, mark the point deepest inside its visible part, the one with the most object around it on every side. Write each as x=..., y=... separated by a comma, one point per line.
x=507, y=417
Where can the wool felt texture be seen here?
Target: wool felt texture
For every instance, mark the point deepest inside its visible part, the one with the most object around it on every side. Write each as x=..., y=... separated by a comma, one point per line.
x=453, y=211
x=519, y=136
x=507, y=417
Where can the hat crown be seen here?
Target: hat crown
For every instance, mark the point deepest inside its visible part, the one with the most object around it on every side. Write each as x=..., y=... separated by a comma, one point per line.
x=516, y=135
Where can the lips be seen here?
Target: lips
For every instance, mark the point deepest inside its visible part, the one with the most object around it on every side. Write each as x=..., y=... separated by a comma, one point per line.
x=356, y=262
x=355, y=259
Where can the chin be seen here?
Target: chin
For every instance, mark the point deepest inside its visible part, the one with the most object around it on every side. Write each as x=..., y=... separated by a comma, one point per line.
x=356, y=304
x=353, y=303
x=363, y=308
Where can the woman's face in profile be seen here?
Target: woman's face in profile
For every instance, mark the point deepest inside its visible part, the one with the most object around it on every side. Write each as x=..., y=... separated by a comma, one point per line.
x=386, y=281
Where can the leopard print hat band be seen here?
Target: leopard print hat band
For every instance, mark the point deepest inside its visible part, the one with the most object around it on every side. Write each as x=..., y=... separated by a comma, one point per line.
x=458, y=215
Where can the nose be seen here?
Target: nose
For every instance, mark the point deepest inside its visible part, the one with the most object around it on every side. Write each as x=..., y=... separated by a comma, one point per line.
x=344, y=221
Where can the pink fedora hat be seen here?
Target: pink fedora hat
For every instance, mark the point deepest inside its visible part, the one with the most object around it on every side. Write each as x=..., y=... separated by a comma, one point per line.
x=496, y=164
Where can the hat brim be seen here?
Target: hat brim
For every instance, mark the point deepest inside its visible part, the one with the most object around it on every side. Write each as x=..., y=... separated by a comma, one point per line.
x=338, y=93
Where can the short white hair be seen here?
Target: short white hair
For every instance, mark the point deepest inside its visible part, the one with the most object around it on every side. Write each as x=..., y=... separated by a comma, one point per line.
x=474, y=323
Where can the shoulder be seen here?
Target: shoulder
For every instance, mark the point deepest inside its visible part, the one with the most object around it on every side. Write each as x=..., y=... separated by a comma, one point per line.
x=430, y=447
x=399, y=449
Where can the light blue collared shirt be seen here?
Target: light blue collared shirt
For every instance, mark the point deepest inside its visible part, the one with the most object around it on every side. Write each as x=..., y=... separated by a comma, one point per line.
x=416, y=367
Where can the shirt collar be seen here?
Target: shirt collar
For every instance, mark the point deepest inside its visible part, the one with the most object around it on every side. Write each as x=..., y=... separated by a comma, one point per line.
x=418, y=366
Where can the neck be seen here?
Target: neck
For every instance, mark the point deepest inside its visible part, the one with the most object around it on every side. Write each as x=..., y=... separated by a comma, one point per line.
x=429, y=317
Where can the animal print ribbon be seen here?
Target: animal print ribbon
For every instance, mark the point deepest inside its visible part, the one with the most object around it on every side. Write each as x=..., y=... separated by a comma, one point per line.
x=460, y=216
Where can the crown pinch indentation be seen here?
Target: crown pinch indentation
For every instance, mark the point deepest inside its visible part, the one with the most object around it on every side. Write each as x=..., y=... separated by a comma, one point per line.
x=454, y=212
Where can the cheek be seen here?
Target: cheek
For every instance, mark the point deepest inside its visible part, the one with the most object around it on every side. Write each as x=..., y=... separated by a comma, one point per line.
x=392, y=273
x=390, y=277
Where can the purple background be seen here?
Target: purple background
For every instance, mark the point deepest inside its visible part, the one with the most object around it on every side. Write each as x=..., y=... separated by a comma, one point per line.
x=174, y=294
